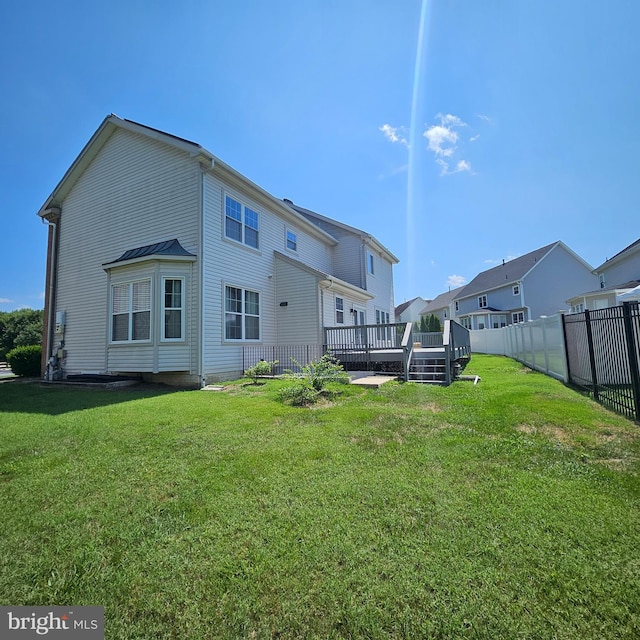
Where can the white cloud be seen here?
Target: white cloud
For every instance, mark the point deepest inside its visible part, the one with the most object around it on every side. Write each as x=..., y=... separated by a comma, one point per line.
x=485, y=118
x=449, y=120
x=474, y=138
x=455, y=281
x=441, y=140
x=461, y=165
x=394, y=134
x=5, y=301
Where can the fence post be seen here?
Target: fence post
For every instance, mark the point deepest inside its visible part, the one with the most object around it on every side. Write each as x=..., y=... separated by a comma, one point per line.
x=565, y=344
x=632, y=350
x=592, y=357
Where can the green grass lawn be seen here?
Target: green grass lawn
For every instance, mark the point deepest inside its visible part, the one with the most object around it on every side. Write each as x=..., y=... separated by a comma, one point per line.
x=506, y=509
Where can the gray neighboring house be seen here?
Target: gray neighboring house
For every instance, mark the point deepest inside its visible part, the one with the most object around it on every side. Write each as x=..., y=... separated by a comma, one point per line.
x=411, y=310
x=536, y=284
x=442, y=306
x=616, y=277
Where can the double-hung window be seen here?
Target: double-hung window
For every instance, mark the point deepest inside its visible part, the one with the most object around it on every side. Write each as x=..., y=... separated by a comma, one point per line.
x=242, y=314
x=482, y=302
x=241, y=223
x=173, y=309
x=292, y=241
x=517, y=316
x=131, y=311
x=339, y=310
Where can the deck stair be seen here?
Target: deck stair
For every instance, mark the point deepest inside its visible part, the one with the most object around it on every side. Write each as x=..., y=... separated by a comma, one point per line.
x=428, y=369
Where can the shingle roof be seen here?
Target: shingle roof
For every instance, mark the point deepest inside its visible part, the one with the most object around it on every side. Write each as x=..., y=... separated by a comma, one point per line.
x=506, y=273
x=166, y=248
x=405, y=305
x=617, y=287
x=443, y=300
x=619, y=254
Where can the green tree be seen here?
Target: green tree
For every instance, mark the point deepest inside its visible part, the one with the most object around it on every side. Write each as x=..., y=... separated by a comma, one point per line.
x=19, y=328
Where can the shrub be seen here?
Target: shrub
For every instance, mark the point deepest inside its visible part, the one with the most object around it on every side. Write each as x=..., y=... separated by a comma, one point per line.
x=262, y=368
x=310, y=383
x=25, y=361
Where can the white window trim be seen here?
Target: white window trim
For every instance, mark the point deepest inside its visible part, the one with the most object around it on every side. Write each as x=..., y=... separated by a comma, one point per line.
x=371, y=265
x=182, y=337
x=242, y=314
x=516, y=289
x=242, y=222
x=131, y=341
x=482, y=301
x=515, y=317
x=295, y=240
x=339, y=309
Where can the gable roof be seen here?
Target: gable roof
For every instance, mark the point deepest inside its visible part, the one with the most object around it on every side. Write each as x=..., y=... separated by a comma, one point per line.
x=113, y=122
x=627, y=250
x=315, y=218
x=401, y=308
x=442, y=301
x=507, y=273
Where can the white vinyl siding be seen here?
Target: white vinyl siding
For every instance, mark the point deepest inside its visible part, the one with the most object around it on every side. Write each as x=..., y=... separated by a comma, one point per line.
x=229, y=263
x=126, y=198
x=297, y=322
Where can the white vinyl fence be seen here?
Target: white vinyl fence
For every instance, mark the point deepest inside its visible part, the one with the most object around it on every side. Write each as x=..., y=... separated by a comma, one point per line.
x=538, y=343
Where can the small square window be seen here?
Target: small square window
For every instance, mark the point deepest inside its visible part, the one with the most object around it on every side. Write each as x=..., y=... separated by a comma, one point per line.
x=516, y=290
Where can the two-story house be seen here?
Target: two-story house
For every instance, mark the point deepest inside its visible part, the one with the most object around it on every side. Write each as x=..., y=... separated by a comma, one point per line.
x=163, y=261
x=618, y=277
x=442, y=306
x=410, y=310
x=535, y=284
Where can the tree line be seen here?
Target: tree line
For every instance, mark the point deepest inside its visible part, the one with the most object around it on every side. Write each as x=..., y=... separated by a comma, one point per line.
x=19, y=328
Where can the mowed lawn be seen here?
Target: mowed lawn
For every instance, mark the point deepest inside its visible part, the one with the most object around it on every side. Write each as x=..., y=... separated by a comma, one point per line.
x=506, y=509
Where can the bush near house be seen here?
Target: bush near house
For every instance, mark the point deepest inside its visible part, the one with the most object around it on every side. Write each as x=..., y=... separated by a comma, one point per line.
x=19, y=328
x=25, y=361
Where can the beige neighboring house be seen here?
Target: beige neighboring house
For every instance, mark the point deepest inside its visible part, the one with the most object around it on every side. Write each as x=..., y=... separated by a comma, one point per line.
x=410, y=310
x=167, y=263
x=619, y=278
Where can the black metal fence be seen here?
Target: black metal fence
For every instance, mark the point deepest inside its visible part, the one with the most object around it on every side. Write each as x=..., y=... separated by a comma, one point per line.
x=289, y=356
x=603, y=355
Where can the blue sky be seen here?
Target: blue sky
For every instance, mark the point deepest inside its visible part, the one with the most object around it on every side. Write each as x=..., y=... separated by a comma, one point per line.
x=457, y=132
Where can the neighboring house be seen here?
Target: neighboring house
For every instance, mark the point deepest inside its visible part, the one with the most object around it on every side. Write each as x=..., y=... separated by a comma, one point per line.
x=442, y=306
x=536, y=284
x=164, y=261
x=410, y=310
x=616, y=277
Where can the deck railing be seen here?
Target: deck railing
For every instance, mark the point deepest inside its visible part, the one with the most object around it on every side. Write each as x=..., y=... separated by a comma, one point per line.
x=431, y=339
x=370, y=337
x=457, y=345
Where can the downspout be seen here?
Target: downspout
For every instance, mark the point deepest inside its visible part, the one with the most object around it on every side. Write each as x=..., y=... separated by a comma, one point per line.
x=54, y=213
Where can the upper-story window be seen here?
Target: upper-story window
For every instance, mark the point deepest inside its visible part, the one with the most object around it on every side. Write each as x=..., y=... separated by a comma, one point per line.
x=292, y=241
x=482, y=301
x=241, y=223
x=339, y=310
x=516, y=289
x=370, y=264
x=457, y=306
x=601, y=280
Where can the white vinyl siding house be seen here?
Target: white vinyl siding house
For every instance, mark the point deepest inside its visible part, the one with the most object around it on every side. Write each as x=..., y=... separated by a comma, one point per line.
x=167, y=263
